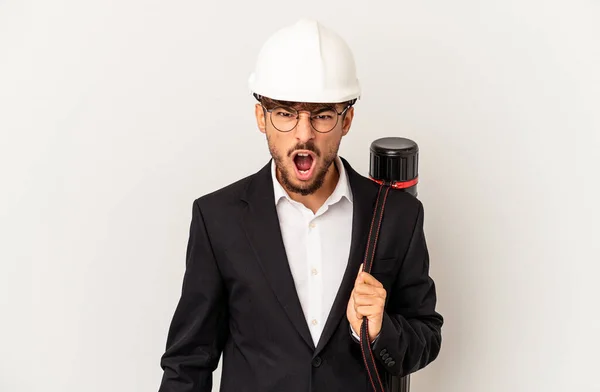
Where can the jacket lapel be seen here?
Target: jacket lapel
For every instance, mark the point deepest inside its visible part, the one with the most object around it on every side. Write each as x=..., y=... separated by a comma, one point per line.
x=364, y=193
x=261, y=225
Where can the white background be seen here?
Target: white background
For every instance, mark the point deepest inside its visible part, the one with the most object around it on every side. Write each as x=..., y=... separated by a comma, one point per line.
x=116, y=115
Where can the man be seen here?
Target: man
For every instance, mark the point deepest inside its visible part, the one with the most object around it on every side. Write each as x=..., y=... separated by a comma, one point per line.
x=272, y=273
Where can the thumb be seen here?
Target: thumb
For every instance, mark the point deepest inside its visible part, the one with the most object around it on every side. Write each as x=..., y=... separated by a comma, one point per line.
x=359, y=271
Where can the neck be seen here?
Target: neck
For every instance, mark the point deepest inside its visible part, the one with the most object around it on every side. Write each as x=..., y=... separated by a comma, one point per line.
x=315, y=200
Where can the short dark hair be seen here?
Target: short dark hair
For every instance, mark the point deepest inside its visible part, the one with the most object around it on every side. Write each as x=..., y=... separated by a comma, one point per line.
x=309, y=106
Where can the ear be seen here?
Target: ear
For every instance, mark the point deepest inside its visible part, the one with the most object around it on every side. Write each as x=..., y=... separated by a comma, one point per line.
x=347, y=121
x=260, y=117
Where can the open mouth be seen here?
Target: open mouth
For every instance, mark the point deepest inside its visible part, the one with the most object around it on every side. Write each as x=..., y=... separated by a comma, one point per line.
x=304, y=164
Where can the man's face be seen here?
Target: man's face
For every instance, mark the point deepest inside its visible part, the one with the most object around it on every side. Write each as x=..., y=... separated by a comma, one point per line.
x=303, y=156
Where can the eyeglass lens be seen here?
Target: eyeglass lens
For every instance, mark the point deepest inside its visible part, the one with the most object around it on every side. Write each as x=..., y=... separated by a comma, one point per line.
x=285, y=119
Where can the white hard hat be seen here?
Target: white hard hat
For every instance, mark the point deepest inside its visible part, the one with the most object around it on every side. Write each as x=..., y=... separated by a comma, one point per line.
x=305, y=62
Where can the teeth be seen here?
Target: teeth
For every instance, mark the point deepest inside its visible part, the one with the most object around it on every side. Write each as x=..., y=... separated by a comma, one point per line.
x=303, y=171
x=301, y=154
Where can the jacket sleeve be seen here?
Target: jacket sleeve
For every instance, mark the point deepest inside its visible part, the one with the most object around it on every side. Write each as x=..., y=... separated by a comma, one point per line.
x=410, y=336
x=199, y=326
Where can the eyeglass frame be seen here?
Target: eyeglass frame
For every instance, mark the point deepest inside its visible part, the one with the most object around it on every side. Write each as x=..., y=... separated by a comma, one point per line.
x=337, y=120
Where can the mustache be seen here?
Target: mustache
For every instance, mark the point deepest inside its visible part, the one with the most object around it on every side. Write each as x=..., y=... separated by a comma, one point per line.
x=305, y=146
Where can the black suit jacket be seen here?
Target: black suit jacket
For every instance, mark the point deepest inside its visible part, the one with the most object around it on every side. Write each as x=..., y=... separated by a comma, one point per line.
x=238, y=298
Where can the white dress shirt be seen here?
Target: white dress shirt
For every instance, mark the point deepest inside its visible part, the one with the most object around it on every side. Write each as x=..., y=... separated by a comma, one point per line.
x=317, y=247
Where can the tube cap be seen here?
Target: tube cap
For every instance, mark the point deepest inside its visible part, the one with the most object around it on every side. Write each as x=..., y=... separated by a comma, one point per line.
x=394, y=159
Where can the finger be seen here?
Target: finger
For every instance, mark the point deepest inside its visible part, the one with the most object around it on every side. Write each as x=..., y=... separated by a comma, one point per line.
x=369, y=311
x=370, y=279
x=363, y=288
x=369, y=300
x=361, y=300
x=358, y=314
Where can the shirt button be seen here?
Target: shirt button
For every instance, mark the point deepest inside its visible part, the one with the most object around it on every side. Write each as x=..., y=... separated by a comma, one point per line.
x=314, y=322
x=314, y=271
x=312, y=225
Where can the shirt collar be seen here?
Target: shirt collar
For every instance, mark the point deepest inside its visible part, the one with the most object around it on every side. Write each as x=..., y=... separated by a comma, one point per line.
x=342, y=188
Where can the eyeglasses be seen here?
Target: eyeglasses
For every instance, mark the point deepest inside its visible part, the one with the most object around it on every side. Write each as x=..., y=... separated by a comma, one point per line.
x=324, y=120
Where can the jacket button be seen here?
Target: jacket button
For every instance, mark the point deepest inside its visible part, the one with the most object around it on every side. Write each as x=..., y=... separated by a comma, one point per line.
x=391, y=363
x=316, y=362
x=385, y=356
x=388, y=360
x=382, y=352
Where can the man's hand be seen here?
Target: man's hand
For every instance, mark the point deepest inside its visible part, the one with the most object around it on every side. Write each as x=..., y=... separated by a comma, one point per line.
x=367, y=299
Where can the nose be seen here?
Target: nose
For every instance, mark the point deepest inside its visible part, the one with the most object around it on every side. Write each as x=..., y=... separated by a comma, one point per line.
x=304, y=130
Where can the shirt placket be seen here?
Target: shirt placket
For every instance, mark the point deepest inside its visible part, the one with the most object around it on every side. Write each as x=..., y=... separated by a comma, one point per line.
x=315, y=279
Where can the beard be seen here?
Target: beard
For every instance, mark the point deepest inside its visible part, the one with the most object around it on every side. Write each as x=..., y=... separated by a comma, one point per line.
x=320, y=170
